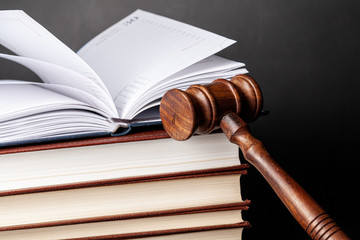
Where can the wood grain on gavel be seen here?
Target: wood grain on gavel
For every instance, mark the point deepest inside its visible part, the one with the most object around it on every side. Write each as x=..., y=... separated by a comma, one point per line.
x=228, y=105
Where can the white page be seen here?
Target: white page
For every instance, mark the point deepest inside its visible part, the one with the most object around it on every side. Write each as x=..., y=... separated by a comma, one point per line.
x=20, y=100
x=25, y=37
x=74, y=84
x=23, y=104
x=202, y=72
x=154, y=97
x=143, y=49
x=49, y=118
x=211, y=67
x=208, y=65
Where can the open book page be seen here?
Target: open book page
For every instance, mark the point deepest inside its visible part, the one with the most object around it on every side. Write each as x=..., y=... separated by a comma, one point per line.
x=25, y=37
x=143, y=49
x=35, y=112
x=212, y=64
x=74, y=84
x=202, y=72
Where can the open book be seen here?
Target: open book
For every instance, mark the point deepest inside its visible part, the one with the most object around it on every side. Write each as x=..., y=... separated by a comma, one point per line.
x=114, y=82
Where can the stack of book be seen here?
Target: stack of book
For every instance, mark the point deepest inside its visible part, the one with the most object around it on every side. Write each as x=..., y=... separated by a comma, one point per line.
x=73, y=165
x=139, y=185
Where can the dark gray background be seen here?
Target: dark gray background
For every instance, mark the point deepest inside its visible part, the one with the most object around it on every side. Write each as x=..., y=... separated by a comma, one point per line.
x=304, y=55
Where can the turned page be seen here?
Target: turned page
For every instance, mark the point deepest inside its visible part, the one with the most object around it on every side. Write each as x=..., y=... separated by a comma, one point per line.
x=202, y=72
x=24, y=36
x=143, y=49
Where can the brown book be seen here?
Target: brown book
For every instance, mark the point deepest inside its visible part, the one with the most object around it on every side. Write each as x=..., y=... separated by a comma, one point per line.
x=175, y=224
x=141, y=156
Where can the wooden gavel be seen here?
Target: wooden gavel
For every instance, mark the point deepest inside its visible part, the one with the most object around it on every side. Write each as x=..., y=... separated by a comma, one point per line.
x=228, y=104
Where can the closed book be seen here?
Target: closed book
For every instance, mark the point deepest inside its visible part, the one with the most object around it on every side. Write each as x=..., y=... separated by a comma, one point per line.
x=168, y=224
x=139, y=156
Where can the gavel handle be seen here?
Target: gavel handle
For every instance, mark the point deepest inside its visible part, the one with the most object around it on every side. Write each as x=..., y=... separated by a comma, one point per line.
x=312, y=218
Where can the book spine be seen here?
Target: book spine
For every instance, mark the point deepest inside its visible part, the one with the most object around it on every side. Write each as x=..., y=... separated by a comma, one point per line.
x=139, y=136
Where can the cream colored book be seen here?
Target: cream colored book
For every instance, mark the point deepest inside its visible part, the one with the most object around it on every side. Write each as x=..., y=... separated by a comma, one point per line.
x=144, y=155
x=213, y=224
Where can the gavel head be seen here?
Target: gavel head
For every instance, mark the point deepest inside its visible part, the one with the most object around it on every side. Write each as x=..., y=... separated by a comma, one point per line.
x=200, y=108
